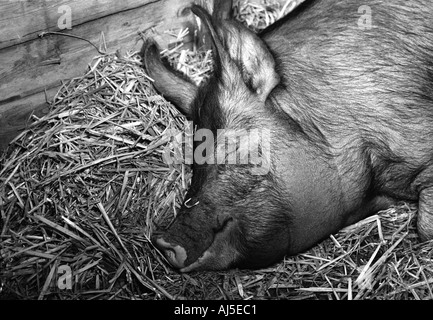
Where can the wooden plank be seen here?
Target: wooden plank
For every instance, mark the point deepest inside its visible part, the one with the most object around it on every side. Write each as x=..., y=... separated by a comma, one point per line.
x=43, y=62
x=22, y=21
x=47, y=60
x=30, y=68
x=15, y=116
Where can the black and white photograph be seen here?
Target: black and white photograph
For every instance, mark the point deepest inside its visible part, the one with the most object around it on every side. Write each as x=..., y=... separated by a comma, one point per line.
x=216, y=156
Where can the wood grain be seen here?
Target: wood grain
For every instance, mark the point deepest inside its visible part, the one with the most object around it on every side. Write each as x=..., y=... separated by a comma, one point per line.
x=29, y=69
x=22, y=21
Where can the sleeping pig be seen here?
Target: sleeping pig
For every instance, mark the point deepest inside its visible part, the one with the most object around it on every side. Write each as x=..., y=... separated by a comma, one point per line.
x=337, y=100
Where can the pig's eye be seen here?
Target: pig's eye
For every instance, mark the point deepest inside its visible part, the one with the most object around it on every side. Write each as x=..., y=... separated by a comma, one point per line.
x=222, y=221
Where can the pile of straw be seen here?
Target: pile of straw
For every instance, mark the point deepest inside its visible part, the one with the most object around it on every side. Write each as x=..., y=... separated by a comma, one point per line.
x=83, y=187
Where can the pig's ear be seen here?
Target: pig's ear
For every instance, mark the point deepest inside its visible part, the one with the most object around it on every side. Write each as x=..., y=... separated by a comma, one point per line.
x=252, y=57
x=232, y=41
x=172, y=86
x=219, y=53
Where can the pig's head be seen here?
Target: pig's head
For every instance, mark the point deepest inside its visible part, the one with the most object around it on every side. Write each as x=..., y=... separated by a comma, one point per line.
x=233, y=215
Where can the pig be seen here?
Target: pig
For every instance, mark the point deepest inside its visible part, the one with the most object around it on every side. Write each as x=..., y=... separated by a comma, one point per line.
x=345, y=90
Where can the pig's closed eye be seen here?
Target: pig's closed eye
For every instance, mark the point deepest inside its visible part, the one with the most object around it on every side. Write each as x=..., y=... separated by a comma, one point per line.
x=222, y=221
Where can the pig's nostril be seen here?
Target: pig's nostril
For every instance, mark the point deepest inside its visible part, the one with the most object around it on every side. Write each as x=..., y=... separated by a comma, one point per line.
x=175, y=254
x=170, y=254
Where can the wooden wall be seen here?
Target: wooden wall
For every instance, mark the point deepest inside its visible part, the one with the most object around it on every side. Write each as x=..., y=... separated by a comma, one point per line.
x=32, y=68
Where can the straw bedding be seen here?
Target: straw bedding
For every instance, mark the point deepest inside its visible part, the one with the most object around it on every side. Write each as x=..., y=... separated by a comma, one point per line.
x=84, y=186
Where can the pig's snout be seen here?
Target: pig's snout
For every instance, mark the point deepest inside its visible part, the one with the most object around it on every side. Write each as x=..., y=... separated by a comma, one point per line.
x=175, y=254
